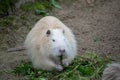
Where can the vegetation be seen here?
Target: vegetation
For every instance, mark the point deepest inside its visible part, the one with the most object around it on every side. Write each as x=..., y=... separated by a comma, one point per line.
x=40, y=7
x=7, y=6
x=6, y=23
x=86, y=67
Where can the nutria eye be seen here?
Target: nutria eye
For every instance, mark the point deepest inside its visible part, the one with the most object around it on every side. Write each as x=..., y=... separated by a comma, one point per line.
x=48, y=32
x=53, y=40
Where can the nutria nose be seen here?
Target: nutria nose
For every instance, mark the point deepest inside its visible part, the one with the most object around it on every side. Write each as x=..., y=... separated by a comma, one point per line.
x=62, y=50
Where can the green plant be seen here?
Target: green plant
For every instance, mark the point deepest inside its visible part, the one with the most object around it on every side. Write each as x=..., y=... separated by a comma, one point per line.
x=86, y=67
x=55, y=4
x=41, y=7
x=6, y=6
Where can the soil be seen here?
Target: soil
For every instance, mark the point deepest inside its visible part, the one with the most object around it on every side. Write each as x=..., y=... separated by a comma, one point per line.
x=95, y=23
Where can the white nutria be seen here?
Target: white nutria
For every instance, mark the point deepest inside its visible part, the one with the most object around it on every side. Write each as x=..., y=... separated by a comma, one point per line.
x=112, y=72
x=47, y=41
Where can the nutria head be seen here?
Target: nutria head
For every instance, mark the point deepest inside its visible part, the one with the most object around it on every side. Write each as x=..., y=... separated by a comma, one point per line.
x=58, y=41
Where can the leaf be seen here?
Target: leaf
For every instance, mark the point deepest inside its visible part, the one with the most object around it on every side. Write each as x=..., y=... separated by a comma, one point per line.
x=39, y=78
x=54, y=3
x=40, y=12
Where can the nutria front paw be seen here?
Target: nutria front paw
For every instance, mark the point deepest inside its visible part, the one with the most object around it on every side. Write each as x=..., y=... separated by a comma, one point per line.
x=59, y=68
x=65, y=62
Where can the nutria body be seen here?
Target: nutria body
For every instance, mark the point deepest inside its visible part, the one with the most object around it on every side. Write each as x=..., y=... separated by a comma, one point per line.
x=48, y=40
x=112, y=72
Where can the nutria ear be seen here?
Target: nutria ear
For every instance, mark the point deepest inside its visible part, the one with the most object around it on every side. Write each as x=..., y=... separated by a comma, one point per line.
x=48, y=32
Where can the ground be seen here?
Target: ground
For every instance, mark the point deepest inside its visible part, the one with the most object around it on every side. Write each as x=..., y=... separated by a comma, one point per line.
x=95, y=23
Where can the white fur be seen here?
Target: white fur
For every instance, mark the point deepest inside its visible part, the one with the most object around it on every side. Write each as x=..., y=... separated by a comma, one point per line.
x=43, y=51
x=60, y=42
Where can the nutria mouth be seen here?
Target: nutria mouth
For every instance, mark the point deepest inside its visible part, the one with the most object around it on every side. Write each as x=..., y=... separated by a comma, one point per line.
x=61, y=58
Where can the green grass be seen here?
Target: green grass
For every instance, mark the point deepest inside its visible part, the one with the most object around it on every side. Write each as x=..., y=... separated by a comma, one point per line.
x=86, y=67
x=41, y=7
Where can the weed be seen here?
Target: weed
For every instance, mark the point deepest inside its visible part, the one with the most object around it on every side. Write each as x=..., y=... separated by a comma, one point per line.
x=86, y=67
x=42, y=7
x=6, y=6
x=55, y=4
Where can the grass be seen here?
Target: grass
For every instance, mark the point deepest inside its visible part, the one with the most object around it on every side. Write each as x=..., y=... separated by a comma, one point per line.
x=11, y=22
x=41, y=7
x=6, y=23
x=86, y=67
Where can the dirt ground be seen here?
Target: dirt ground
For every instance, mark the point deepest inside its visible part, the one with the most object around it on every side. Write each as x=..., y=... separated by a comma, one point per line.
x=95, y=23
